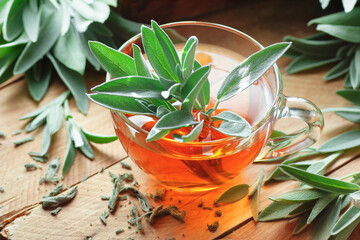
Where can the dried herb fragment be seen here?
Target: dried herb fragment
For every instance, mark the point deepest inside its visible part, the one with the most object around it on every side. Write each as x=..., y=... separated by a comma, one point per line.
x=114, y=195
x=104, y=216
x=56, y=211
x=119, y=231
x=22, y=141
x=51, y=171
x=31, y=166
x=171, y=238
x=104, y=198
x=101, y=170
x=17, y=132
x=218, y=213
x=56, y=190
x=2, y=190
x=207, y=208
x=54, y=201
x=143, y=200
x=129, y=238
x=2, y=135
x=38, y=157
x=127, y=177
x=213, y=227
x=159, y=194
x=125, y=165
x=122, y=198
x=85, y=178
x=134, y=216
x=200, y=204
x=154, y=214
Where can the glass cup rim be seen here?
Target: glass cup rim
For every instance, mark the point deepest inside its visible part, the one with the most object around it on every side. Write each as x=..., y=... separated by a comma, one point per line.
x=254, y=128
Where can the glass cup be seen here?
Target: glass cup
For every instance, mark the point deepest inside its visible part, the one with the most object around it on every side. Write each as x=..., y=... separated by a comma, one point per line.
x=200, y=166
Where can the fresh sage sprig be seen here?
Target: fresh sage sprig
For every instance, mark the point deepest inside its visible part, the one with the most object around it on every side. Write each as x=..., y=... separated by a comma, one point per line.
x=338, y=43
x=40, y=36
x=348, y=5
x=176, y=81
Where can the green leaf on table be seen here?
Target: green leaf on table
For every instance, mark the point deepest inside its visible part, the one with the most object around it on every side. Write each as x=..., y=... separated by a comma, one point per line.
x=70, y=152
x=232, y=124
x=34, y=51
x=31, y=22
x=52, y=169
x=234, y=194
x=37, y=79
x=67, y=51
x=304, y=62
x=167, y=45
x=120, y=103
x=36, y=122
x=338, y=70
x=250, y=70
x=255, y=204
x=97, y=138
x=351, y=95
x=299, y=195
x=54, y=118
x=46, y=140
x=302, y=224
x=326, y=220
x=315, y=48
x=343, y=141
x=191, y=136
x=320, y=205
x=13, y=24
x=74, y=82
x=320, y=182
x=193, y=87
x=276, y=211
x=346, y=33
x=339, y=18
x=156, y=55
x=131, y=86
x=346, y=232
x=86, y=148
x=350, y=216
x=75, y=135
x=258, y=182
x=140, y=63
x=355, y=70
x=319, y=166
x=116, y=63
x=188, y=59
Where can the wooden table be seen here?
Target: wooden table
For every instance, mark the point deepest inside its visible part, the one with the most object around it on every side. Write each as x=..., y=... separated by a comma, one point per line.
x=21, y=216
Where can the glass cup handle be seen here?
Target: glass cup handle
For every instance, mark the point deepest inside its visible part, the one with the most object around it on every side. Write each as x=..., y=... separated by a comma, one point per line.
x=308, y=112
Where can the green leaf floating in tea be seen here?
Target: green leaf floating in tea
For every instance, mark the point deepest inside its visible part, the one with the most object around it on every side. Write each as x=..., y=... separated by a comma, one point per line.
x=177, y=94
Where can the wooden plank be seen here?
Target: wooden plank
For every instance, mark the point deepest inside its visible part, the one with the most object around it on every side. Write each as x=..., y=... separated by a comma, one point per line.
x=283, y=229
x=21, y=187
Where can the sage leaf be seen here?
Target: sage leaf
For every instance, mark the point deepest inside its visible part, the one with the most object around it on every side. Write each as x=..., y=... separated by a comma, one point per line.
x=349, y=5
x=37, y=122
x=31, y=22
x=255, y=204
x=356, y=198
x=22, y=141
x=351, y=95
x=76, y=136
x=346, y=33
x=204, y=95
x=74, y=82
x=315, y=48
x=54, y=201
x=343, y=141
x=304, y=207
x=326, y=221
x=172, y=91
x=84, y=39
x=34, y=51
x=200, y=77
x=167, y=45
x=191, y=136
x=320, y=182
x=355, y=70
x=350, y=216
x=175, y=120
x=304, y=62
x=156, y=55
x=232, y=125
x=338, y=70
x=189, y=58
x=116, y=63
x=96, y=138
x=320, y=205
x=51, y=171
x=67, y=51
x=276, y=211
x=299, y=195
x=131, y=86
x=86, y=148
x=120, y=103
x=339, y=18
x=250, y=70
x=302, y=224
x=140, y=63
x=257, y=184
x=156, y=134
x=234, y=194
x=46, y=140
x=114, y=195
x=54, y=118
x=96, y=11
x=69, y=156
x=346, y=232
x=13, y=24
x=318, y=167
x=56, y=190
x=38, y=85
